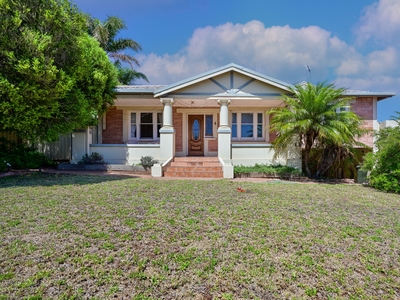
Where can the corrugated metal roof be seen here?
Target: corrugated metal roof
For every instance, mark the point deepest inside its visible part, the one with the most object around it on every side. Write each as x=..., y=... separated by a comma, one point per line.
x=160, y=90
x=137, y=89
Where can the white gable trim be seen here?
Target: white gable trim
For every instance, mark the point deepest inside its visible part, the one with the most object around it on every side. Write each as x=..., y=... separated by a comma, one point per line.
x=220, y=71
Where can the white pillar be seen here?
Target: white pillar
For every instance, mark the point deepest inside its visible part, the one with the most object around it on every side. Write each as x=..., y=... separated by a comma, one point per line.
x=167, y=114
x=167, y=132
x=224, y=112
x=224, y=131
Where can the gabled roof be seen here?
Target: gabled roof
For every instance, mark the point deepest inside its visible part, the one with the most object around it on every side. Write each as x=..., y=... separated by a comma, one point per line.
x=221, y=70
x=163, y=90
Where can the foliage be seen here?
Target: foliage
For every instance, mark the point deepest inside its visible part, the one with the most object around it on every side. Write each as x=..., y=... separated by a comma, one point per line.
x=314, y=117
x=54, y=77
x=386, y=182
x=106, y=34
x=4, y=166
x=384, y=164
x=128, y=76
x=147, y=162
x=272, y=170
x=19, y=156
x=93, y=158
x=345, y=165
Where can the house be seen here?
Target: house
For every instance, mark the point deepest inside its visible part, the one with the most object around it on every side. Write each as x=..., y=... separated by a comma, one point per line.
x=220, y=115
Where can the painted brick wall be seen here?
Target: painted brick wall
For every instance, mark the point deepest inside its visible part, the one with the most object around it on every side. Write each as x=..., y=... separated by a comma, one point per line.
x=178, y=123
x=364, y=107
x=114, y=126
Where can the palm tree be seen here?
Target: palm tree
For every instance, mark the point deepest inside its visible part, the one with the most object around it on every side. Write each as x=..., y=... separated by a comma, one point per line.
x=313, y=117
x=106, y=34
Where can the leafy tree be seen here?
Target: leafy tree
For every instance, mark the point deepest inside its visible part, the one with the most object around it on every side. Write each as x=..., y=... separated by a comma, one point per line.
x=384, y=164
x=313, y=116
x=53, y=76
x=106, y=33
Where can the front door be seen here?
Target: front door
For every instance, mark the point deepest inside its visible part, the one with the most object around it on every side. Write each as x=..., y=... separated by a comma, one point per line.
x=196, y=135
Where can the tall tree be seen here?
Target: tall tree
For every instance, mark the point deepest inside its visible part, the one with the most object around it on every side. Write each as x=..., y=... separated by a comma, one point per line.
x=106, y=33
x=314, y=117
x=53, y=76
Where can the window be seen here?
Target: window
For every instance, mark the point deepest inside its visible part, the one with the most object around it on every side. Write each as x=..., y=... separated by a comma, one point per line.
x=343, y=108
x=247, y=126
x=145, y=125
x=209, y=126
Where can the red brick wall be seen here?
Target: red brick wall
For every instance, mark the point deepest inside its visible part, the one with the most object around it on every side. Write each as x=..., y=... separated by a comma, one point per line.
x=114, y=125
x=178, y=124
x=364, y=107
x=272, y=136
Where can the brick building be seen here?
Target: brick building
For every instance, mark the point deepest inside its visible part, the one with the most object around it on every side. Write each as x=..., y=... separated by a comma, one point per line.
x=219, y=116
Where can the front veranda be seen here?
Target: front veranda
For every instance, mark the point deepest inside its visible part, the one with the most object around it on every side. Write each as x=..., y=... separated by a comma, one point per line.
x=230, y=129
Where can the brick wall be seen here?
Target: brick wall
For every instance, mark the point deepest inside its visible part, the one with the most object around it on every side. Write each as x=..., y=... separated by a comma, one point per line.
x=178, y=124
x=213, y=145
x=272, y=136
x=364, y=107
x=114, y=126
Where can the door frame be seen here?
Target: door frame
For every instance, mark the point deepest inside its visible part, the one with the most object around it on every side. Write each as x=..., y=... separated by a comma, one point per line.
x=185, y=122
x=202, y=134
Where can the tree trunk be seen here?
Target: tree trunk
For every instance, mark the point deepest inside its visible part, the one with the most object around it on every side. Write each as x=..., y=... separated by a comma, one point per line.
x=329, y=156
x=306, y=158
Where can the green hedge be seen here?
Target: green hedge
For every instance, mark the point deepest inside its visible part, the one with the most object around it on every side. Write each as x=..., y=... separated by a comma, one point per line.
x=20, y=156
x=269, y=170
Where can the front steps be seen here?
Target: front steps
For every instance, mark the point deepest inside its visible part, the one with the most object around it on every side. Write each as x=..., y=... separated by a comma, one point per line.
x=194, y=166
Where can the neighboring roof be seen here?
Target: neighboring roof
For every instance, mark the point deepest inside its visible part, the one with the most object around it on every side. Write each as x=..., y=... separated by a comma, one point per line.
x=379, y=95
x=137, y=89
x=160, y=90
x=219, y=71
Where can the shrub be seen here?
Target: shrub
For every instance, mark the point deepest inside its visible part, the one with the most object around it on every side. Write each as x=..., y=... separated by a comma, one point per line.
x=21, y=156
x=94, y=158
x=386, y=182
x=147, y=162
x=384, y=164
x=271, y=170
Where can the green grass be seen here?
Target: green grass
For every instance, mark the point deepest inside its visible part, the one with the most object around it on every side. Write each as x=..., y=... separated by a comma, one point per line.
x=108, y=237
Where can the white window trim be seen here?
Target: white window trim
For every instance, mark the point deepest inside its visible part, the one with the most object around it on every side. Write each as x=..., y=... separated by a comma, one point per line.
x=138, y=123
x=255, y=123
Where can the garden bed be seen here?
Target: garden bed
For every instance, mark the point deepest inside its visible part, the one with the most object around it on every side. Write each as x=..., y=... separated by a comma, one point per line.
x=103, y=167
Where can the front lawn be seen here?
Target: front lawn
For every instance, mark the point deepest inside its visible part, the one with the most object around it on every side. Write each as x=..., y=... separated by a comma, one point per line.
x=105, y=237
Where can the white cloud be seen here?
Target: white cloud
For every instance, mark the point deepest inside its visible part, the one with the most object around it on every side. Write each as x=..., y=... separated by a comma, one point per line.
x=380, y=22
x=279, y=51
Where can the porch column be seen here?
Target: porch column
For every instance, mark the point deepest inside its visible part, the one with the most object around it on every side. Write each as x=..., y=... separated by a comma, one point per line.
x=224, y=131
x=167, y=132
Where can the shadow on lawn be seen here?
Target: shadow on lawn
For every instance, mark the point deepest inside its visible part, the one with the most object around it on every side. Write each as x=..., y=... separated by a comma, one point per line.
x=49, y=179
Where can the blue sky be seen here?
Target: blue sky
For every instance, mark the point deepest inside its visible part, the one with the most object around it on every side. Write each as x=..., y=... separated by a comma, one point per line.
x=352, y=44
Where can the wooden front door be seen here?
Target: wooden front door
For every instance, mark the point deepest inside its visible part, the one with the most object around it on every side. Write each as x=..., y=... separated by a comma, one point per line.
x=196, y=135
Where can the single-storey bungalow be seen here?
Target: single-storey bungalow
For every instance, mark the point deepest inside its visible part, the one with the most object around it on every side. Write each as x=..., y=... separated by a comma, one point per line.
x=209, y=122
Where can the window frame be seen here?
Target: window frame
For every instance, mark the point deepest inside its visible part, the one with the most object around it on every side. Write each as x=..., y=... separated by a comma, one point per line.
x=156, y=125
x=238, y=124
